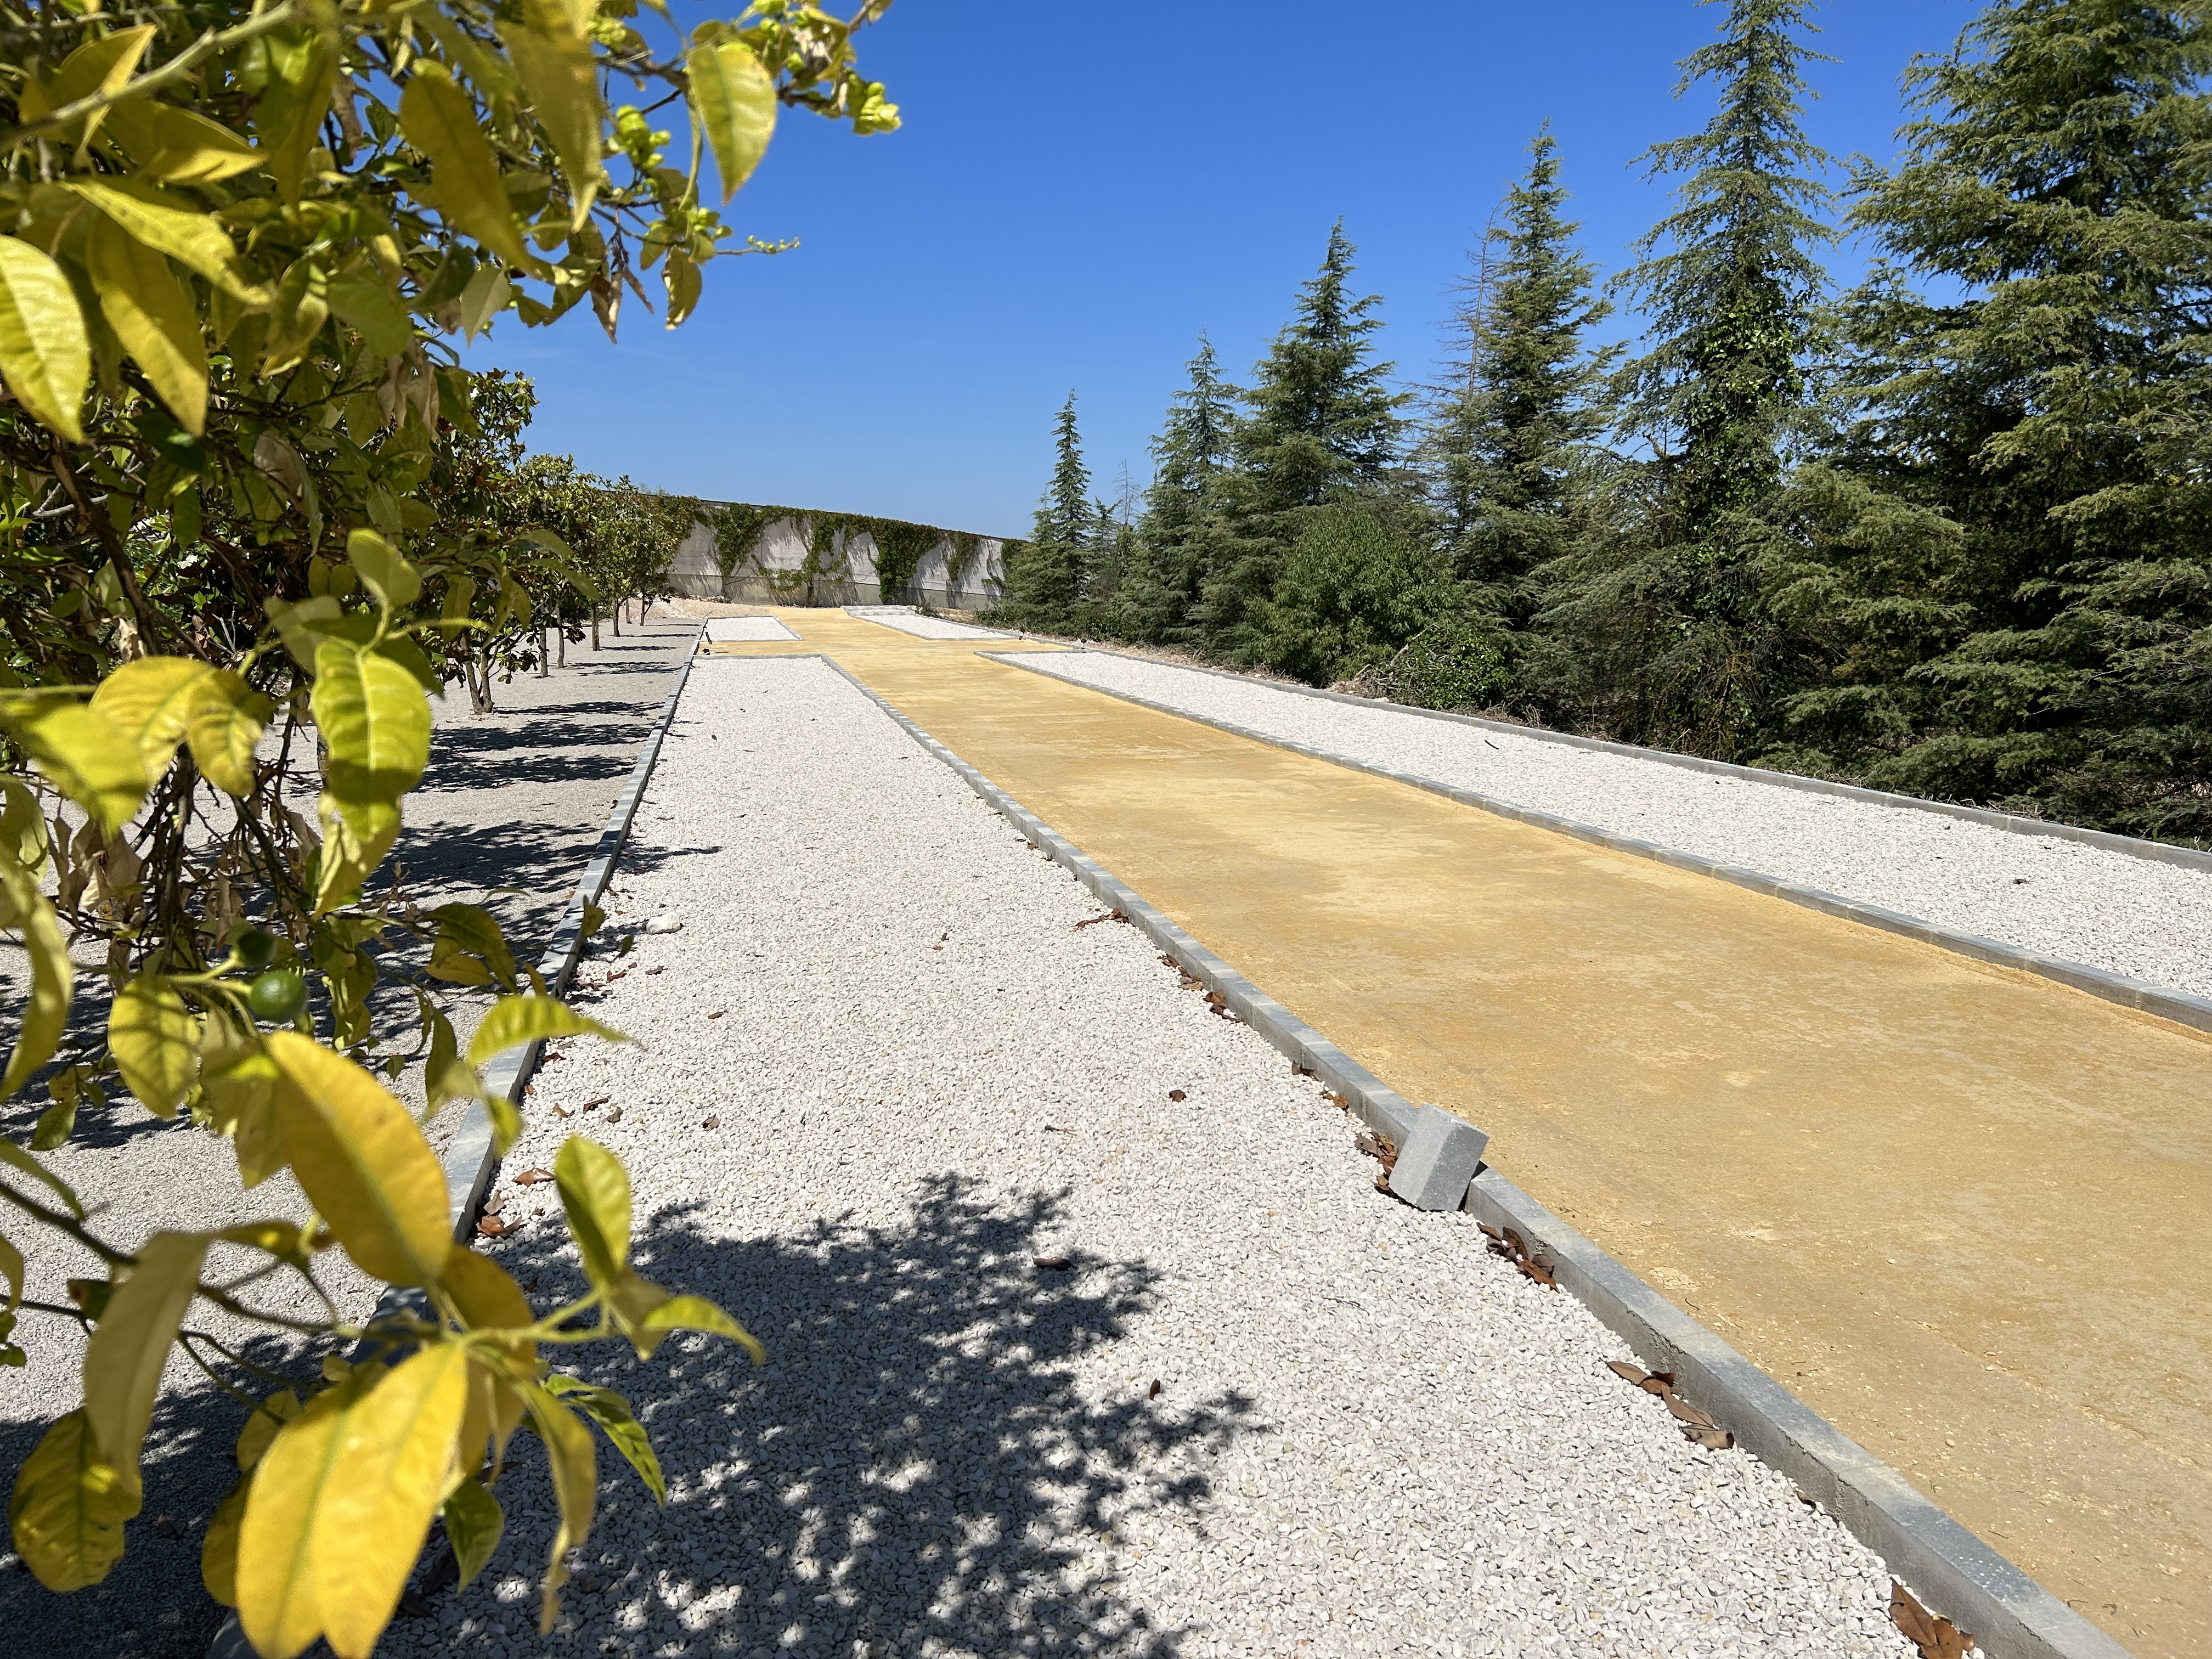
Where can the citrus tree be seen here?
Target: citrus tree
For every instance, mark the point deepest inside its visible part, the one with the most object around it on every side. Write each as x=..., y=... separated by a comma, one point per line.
x=237, y=245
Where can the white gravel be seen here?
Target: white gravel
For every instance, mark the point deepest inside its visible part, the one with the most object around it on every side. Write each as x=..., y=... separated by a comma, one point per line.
x=907, y=620
x=732, y=630
x=1369, y=1436
x=2081, y=903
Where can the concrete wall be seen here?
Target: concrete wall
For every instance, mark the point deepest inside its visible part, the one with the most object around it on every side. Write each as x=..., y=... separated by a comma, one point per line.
x=848, y=577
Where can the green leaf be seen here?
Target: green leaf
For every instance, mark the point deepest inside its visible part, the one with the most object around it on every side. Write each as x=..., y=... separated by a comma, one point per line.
x=84, y=754
x=735, y=99
x=695, y=1313
x=595, y=1193
x=130, y=1344
x=288, y=114
x=553, y=57
x=440, y=119
x=155, y=1041
x=382, y=571
x=66, y=1516
x=369, y=303
x=375, y=722
x=173, y=225
x=576, y=1485
x=151, y=701
x=45, y=355
x=513, y=1021
x=611, y=1413
x=362, y=1161
x=53, y=975
x=223, y=723
x=474, y=1523
x=153, y=317
x=238, y=1080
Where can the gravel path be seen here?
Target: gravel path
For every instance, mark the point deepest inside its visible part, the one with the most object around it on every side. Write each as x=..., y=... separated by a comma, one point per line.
x=728, y=631
x=1264, y=1410
x=2082, y=903
x=509, y=810
x=910, y=621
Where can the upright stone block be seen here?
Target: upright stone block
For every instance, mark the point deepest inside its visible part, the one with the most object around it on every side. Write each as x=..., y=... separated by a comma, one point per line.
x=1439, y=1160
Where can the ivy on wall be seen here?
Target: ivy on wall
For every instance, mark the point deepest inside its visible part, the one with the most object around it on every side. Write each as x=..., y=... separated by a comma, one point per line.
x=900, y=547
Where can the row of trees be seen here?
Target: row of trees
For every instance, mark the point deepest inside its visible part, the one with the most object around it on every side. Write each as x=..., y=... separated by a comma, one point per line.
x=1944, y=531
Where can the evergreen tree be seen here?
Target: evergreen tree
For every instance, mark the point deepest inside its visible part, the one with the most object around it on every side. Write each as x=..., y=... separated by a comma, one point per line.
x=1176, y=540
x=1353, y=589
x=1323, y=424
x=2053, y=401
x=1654, y=629
x=1511, y=440
x=1045, y=576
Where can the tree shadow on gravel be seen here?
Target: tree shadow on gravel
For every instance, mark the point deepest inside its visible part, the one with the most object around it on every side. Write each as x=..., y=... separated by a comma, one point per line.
x=911, y=1472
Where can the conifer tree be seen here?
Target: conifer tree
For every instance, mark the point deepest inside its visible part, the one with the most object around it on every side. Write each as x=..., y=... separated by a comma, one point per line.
x=1512, y=436
x=1044, y=581
x=1323, y=424
x=2053, y=400
x=1175, y=539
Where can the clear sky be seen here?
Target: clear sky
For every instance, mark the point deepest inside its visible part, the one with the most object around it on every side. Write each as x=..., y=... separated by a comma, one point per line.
x=1081, y=186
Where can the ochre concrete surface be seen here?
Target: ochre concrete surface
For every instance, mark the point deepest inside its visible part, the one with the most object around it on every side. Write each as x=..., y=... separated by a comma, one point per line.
x=1960, y=1210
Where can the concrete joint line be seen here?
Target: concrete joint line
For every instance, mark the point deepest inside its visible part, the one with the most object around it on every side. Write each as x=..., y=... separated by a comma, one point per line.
x=2145, y=997
x=1957, y=1574
x=2155, y=852
x=468, y=1161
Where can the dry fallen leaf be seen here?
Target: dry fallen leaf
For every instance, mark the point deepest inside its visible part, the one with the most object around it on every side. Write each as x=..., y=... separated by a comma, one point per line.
x=531, y=1177
x=1167, y=961
x=1297, y=1070
x=1619, y=1368
x=1658, y=1382
x=1054, y=1264
x=1154, y=1392
x=718, y=1013
x=1696, y=1416
x=491, y=1226
x=715, y=1123
x=1092, y=921
x=615, y=1116
x=1342, y=1102
x=563, y=1111
x=1177, y=1094
x=1936, y=1638
x=591, y=1105
x=651, y=971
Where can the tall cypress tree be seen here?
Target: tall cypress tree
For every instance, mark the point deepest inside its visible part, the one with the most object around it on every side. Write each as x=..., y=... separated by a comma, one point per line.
x=1511, y=436
x=1323, y=424
x=1175, y=544
x=1045, y=580
x=2053, y=400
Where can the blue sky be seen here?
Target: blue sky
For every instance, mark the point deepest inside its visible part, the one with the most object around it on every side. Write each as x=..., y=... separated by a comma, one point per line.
x=1080, y=187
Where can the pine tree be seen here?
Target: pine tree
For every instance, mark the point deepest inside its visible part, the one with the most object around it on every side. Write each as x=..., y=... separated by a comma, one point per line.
x=1045, y=578
x=1654, y=628
x=1512, y=436
x=1323, y=424
x=1176, y=540
x=2053, y=401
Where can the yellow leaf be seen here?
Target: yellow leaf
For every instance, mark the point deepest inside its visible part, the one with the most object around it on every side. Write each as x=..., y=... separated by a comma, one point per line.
x=595, y=1193
x=485, y=1298
x=82, y=752
x=101, y=65
x=45, y=355
x=275, y=1583
x=440, y=119
x=153, y=317
x=130, y=1344
x=155, y=1041
x=219, y=1548
x=375, y=719
x=176, y=146
x=173, y=225
x=355, y=843
x=362, y=1160
x=150, y=702
x=223, y=723
x=513, y=1021
x=66, y=1516
x=23, y=834
x=382, y=571
x=576, y=1485
x=42, y=1023
x=260, y=1431
x=553, y=57
x=735, y=99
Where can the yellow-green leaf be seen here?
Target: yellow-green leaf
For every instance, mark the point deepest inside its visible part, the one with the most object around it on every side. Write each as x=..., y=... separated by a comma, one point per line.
x=355, y=841
x=362, y=1160
x=11, y=1269
x=474, y=1523
x=513, y=1021
x=84, y=754
x=176, y=146
x=261, y=1426
x=45, y=355
x=612, y=1413
x=153, y=317
x=15, y=1158
x=66, y=1516
x=277, y=1594
x=440, y=119
x=375, y=721
x=304, y=625
x=553, y=57
x=223, y=723
x=595, y=1193
x=301, y=76
x=151, y=701
x=239, y=1082
x=175, y=226
x=130, y=1344
x=155, y=1041
x=695, y=1313
x=382, y=571
x=101, y=65
x=40, y=1030
x=219, y=1547
x=735, y=99
x=576, y=1485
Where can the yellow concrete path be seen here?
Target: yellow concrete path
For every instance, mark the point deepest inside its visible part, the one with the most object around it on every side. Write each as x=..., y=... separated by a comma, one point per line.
x=1959, y=1211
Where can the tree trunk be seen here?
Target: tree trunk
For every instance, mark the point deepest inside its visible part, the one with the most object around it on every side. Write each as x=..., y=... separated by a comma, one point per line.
x=544, y=654
x=595, y=624
x=617, y=615
x=560, y=644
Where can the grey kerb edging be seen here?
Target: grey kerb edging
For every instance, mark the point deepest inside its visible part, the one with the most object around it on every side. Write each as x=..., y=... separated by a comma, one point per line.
x=468, y=1163
x=2157, y=852
x=2177, y=1005
x=1956, y=1574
